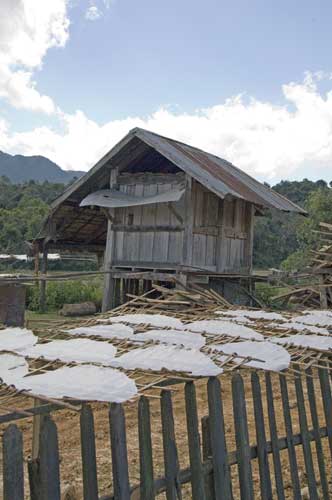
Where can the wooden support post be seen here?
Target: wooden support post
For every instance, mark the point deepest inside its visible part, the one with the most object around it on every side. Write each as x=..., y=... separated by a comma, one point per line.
x=100, y=261
x=36, y=431
x=187, y=250
x=42, y=289
x=36, y=252
x=108, y=296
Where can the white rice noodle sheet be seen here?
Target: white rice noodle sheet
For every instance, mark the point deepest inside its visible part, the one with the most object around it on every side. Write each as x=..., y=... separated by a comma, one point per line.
x=77, y=350
x=274, y=357
x=300, y=327
x=16, y=339
x=157, y=320
x=12, y=368
x=117, y=331
x=84, y=382
x=221, y=327
x=313, y=341
x=252, y=314
x=320, y=318
x=173, y=337
x=235, y=319
x=322, y=312
x=171, y=358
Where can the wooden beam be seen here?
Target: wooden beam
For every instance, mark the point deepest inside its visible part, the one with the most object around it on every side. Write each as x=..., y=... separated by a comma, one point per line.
x=146, y=229
x=107, y=214
x=144, y=275
x=175, y=212
x=42, y=290
x=187, y=249
x=322, y=293
x=108, y=296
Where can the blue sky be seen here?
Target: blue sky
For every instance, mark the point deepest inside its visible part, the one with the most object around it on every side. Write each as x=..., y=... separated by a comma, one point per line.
x=249, y=81
x=184, y=53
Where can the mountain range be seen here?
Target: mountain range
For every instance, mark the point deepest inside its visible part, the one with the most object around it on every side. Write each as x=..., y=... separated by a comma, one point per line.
x=19, y=168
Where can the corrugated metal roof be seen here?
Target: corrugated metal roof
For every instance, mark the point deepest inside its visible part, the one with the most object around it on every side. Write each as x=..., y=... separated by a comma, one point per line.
x=216, y=174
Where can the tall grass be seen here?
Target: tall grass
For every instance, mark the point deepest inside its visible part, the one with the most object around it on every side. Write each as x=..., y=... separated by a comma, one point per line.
x=66, y=292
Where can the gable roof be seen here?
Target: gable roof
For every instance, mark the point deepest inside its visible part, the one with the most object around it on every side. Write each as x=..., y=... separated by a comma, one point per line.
x=216, y=174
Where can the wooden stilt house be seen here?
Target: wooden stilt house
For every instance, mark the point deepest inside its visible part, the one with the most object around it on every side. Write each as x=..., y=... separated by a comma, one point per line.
x=157, y=209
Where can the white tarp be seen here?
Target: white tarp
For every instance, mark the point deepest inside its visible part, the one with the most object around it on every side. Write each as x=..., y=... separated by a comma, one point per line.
x=110, y=198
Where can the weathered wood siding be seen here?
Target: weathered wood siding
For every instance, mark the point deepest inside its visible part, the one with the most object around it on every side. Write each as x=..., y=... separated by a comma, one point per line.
x=148, y=246
x=234, y=247
x=222, y=232
x=222, y=229
x=206, y=224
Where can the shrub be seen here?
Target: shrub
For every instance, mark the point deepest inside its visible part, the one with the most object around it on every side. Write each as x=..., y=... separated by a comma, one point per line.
x=66, y=292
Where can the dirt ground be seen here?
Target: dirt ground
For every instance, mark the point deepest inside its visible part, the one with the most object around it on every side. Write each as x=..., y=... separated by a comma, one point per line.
x=69, y=437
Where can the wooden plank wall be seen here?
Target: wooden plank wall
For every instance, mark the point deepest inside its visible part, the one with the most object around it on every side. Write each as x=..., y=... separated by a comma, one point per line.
x=149, y=246
x=234, y=247
x=206, y=223
x=222, y=235
x=222, y=232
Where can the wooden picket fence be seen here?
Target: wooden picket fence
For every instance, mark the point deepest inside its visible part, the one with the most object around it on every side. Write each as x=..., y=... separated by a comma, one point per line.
x=214, y=472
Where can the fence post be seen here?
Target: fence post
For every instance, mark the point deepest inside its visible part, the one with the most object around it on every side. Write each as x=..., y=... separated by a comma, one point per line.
x=221, y=473
x=318, y=441
x=34, y=479
x=305, y=437
x=145, y=450
x=290, y=439
x=327, y=402
x=274, y=438
x=119, y=452
x=13, y=476
x=173, y=486
x=197, y=477
x=242, y=438
x=88, y=452
x=207, y=455
x=49, y=461
x=263, y=459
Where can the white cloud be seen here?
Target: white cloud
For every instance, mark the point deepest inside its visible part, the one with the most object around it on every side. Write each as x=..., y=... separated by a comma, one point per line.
x=28, y=29
x=267, y=141
x=93, y=13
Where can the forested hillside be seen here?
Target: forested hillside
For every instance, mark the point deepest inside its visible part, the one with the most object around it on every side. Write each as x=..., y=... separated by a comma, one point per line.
x=280, y=238
x=22, y=210
x=20, y=168
x=283, y=239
